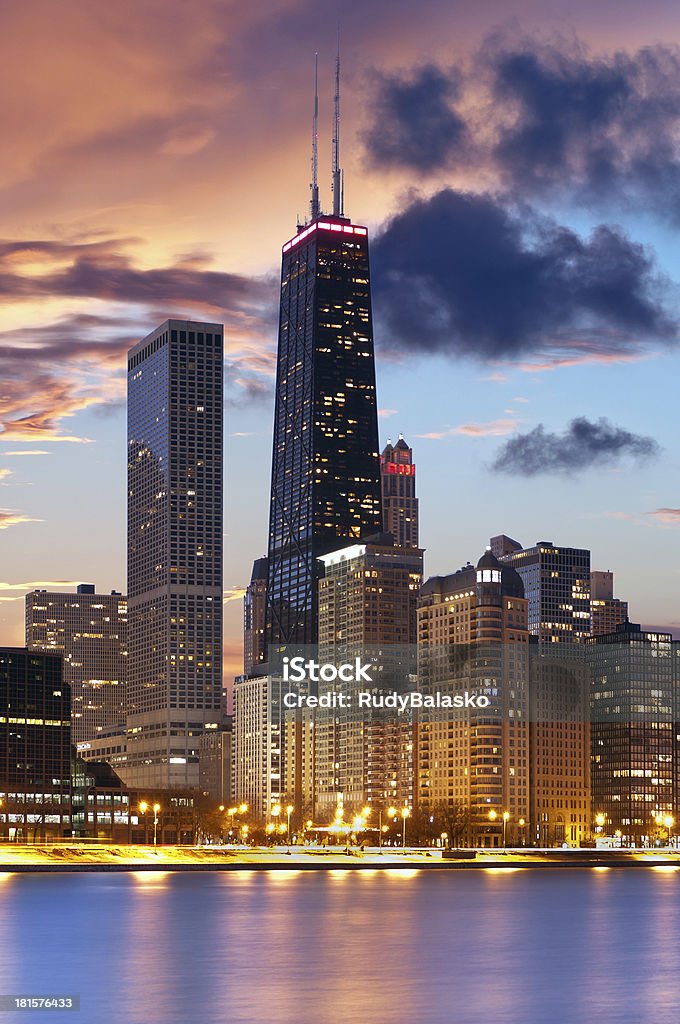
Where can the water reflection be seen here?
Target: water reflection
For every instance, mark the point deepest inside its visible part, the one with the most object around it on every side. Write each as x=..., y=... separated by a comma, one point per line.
x=385, y=946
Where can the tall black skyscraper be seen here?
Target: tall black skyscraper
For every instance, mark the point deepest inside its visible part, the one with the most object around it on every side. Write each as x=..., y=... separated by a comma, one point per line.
x=325, y=466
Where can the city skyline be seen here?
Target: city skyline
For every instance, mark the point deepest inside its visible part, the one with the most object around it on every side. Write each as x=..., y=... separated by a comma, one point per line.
x=488, y=385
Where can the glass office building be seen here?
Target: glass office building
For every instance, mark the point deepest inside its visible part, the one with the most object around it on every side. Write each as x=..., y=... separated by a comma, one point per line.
x=325, y=484
x=175, y=379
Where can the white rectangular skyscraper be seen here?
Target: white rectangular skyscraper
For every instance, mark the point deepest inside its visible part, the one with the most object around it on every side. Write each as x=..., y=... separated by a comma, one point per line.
x=174, y=550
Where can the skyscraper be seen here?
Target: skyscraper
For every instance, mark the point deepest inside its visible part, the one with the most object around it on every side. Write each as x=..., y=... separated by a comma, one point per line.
x=559, y=744
x=472, y=635
x=254, y=618
x=634, y=733
x=89, y=631
x=399, y=502
x=174, y=550
x=606, y=611
x=325, y=484
x=367, y=610
x=35, y=746
x=556, y=584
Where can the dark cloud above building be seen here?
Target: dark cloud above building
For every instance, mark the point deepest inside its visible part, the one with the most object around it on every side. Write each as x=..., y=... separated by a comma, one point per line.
x=583, y=445
x=462, y=274
x=415, y=124
x=594, y=124
x=543, y=119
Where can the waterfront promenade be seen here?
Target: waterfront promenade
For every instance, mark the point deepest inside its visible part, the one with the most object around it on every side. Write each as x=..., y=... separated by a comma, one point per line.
x=72, y=856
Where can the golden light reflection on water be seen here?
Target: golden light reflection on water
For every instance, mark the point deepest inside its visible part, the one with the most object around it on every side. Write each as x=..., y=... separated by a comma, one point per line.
x=665, y=868
x=151, y=879
x=601, y=868
x=501, y=871
x=405, y=873
x=339, y=874
x=283, y=877
x=6, y=876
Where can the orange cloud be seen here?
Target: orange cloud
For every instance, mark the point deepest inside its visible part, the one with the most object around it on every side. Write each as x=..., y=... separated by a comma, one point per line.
x=57, y=585
x=10, y=518
x=667, y=516
x=496, y=428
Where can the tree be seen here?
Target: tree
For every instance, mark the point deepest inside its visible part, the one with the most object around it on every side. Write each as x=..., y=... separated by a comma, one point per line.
x=453, y=817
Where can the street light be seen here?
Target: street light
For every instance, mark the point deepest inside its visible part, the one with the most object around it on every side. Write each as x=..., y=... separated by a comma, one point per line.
x=289, y=811
x=506, y=818
x=600, y=820
x=404, y=813
x=143, y=807
x=156, y=809
x=668, y=822
x=391, y=813
x=522, y=823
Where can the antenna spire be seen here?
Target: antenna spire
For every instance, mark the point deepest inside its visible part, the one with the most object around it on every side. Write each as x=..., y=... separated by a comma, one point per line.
x=314, y=203
x=338, y=184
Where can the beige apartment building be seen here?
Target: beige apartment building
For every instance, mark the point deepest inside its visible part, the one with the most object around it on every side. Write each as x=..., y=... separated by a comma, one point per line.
x=473, y=637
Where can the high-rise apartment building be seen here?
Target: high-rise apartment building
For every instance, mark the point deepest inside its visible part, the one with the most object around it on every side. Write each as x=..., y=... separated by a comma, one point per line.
x=257, y=744
x=473, y=636
x=559, y=743
x=216, y=762
x=556, y=584
x=174, y=550
x=35, y=746
x=254, y=619
x=399, y=502
x=634, y=733
x=89, y=631
x=606, y=611
x=367, y=610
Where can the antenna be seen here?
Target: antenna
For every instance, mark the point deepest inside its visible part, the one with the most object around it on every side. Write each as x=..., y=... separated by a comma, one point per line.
x=314, y=204
x=338, y=186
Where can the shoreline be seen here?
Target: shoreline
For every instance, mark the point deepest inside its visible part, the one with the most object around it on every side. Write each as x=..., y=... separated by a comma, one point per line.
x=56, y=860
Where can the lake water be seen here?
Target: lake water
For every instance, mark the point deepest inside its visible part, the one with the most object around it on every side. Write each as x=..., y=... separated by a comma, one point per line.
x=366, y=947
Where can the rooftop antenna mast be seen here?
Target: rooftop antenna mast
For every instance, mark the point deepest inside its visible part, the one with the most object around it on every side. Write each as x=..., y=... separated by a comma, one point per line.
x=338, y=182
x=314, y=204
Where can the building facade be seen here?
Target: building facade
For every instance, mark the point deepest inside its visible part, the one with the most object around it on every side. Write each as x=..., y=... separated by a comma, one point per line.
x=559, y=744
x=367, y=610
x=216, y=762
x=89, y=631
x=399, y=501
x=255, y=619
x=634, y=732
x=175, y=422
x=257, y=744
x=35, y=746
x=325, y=483
x=473, y=636
x=556, y=585
x=606, y=611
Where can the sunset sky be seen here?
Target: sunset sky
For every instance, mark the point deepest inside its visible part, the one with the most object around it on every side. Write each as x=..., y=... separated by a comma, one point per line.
x=518, y=164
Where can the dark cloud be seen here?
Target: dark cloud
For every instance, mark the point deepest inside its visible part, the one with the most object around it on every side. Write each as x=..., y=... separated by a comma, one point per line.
x=461, y=274
x=584, y=444
x=598, y=124
x=414, y=121
x=50, y=373
x=104, y=270
x=546, y=120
